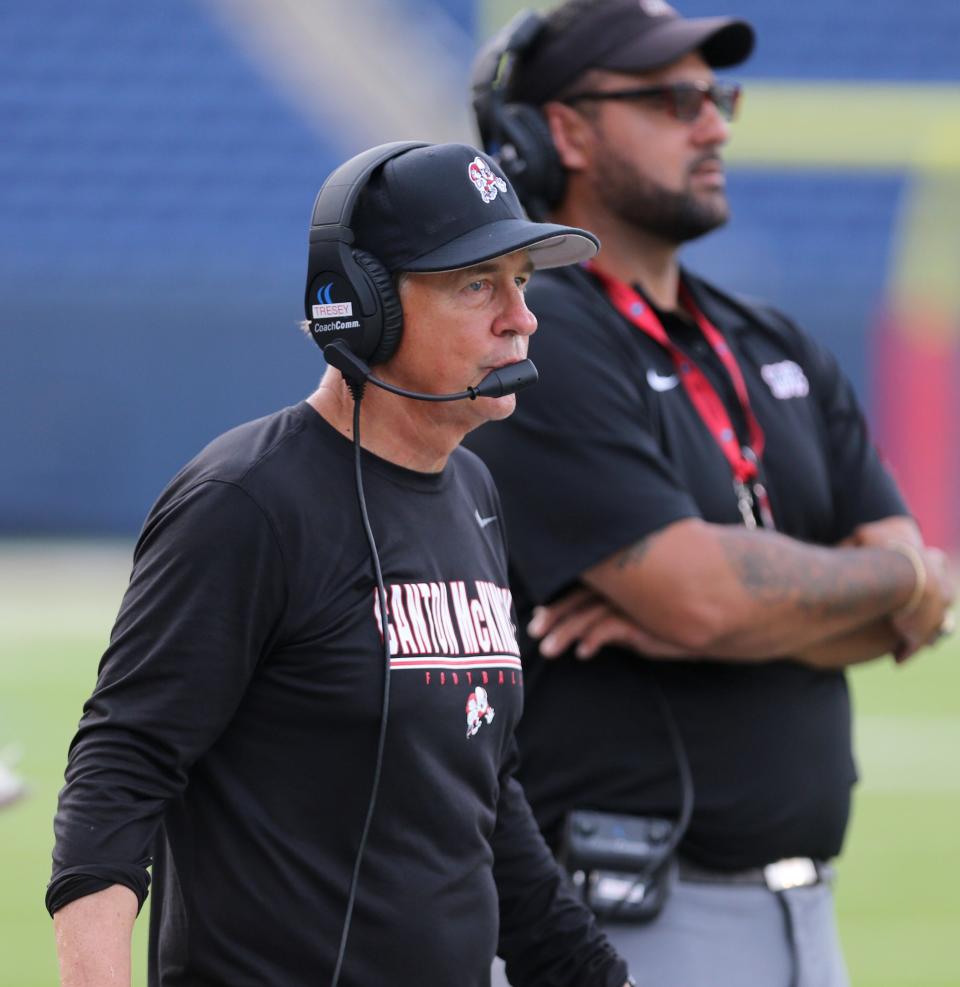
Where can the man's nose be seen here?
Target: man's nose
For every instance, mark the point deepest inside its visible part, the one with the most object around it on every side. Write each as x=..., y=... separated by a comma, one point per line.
x=710, y=127
x=516, y=317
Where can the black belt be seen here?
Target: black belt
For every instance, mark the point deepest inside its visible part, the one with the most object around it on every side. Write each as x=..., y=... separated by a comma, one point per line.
x=793, y=872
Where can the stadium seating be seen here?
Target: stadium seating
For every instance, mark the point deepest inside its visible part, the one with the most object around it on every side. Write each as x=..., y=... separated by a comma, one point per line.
x=154, y=190
x=859, y=39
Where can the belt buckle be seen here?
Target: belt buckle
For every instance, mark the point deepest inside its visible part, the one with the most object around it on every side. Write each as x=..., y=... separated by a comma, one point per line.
x=793, y=872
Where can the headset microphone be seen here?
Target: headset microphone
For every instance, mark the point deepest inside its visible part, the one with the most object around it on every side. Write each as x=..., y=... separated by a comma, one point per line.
x=506, y=380
x=497, y=383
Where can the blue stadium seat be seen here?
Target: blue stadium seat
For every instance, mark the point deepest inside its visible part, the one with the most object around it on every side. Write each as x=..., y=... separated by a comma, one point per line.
x=858, y=39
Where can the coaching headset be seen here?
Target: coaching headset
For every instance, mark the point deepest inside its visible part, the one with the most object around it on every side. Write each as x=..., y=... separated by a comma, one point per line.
x=350, y=294
x=516, y=134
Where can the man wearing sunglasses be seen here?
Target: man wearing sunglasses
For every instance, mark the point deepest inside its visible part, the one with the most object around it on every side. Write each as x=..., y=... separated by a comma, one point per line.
x=693, y=503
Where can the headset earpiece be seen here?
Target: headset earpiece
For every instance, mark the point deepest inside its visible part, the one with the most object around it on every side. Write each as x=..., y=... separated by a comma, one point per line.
x=350, y=295
x=391, y=312
x=516, y=134
x=529, y=157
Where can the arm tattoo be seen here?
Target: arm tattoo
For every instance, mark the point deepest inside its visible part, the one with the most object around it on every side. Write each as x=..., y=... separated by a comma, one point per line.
x=822, y=583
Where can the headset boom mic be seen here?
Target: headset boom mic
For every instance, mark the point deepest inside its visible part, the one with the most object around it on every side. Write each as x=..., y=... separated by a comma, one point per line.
x=507, y=380
x=497, y=383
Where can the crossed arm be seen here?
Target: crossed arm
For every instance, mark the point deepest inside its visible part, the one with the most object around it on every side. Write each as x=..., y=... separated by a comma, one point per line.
x=699, y=589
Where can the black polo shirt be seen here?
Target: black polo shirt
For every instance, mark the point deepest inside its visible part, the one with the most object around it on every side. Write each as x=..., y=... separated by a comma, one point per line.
x=608, y=448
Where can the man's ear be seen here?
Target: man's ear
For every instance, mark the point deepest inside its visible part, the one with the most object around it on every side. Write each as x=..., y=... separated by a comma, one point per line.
x=572, y=135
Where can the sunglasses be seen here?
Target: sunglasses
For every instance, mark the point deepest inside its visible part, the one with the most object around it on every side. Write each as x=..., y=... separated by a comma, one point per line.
x=682, y=100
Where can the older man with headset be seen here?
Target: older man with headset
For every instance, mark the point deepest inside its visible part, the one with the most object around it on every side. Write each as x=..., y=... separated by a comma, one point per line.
x=305, y=716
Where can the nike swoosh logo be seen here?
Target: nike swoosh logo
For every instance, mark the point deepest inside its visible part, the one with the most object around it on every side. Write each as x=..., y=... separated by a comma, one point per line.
x=662, y=382
x=484, y=521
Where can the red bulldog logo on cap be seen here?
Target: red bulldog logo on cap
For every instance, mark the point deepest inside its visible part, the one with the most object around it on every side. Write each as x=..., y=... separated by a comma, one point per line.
x=485, y=180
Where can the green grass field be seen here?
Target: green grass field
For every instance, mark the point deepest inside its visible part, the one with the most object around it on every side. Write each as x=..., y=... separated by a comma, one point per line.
x=899, y=881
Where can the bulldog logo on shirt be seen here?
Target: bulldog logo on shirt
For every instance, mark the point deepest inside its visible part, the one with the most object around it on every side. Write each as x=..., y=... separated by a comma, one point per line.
x=786, y=380
x=478, y=710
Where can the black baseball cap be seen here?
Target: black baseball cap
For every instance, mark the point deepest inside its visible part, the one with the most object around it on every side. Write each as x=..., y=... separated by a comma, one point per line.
x=443, y=207
x=622, y=36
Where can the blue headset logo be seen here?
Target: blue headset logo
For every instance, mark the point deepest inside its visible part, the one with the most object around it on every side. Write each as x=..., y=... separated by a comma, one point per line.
x=327, y=308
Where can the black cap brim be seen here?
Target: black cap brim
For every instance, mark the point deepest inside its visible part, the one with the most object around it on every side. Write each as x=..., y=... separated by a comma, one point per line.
x=722, y=41
x=548, y=244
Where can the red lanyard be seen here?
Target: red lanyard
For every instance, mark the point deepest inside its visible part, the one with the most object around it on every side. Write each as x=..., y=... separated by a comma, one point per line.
x=709, y=406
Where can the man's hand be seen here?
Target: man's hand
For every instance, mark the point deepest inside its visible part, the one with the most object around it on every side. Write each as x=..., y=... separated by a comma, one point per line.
x=586, y=619
x=925, y=621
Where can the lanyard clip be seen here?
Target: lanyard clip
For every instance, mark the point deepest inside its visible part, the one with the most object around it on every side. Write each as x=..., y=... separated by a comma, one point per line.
x=763, y=506
x=745, y=504
x=752, y=501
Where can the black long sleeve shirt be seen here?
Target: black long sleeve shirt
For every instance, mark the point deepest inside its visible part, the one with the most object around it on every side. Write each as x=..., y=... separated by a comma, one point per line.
x=231, y=737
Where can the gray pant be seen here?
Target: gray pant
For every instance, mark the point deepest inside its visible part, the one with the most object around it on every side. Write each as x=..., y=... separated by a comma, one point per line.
x=721, y=935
